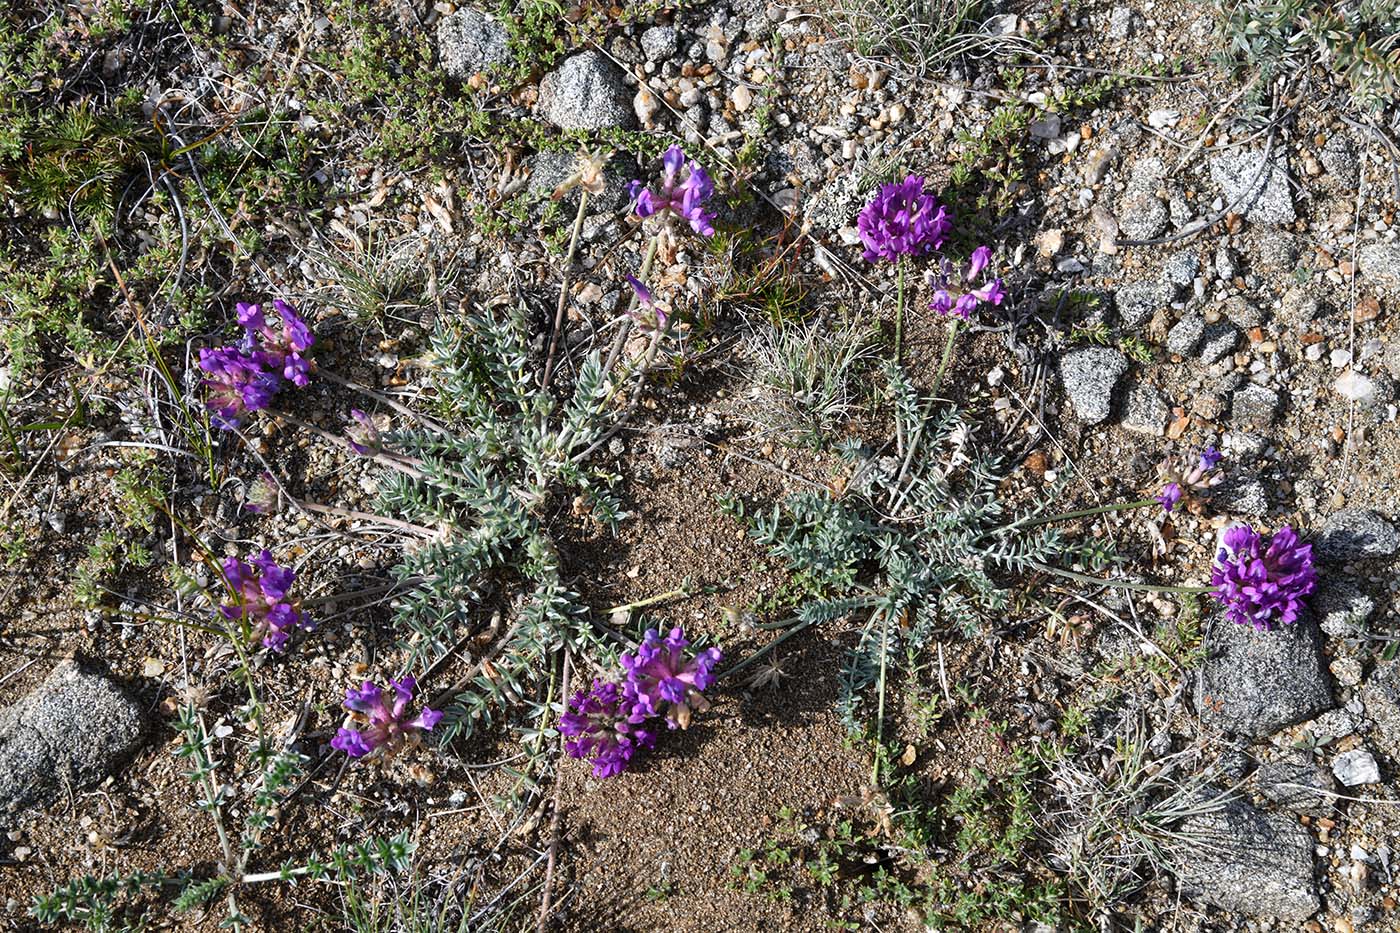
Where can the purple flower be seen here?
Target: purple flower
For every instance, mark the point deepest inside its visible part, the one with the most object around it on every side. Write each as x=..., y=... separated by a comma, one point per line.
x=603, y=725
x=1263, y=586
x=684, y=198
x=280, y=347
x=259, y=589
x=246, y=377
x=661, y=679
x=238, y=383
x=1190, y=486
x=1170, y=496
x=981, y=259
x=363, y=436
x=655, y=316
x=991, y=293
x=961, y=298
x=902, y=220
x=386, y=726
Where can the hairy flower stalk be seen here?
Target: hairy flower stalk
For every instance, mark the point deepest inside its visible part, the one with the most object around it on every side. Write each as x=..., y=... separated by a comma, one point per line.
x=1260, y=585
x=901, y=221
x=259, y=589
x=383, y=716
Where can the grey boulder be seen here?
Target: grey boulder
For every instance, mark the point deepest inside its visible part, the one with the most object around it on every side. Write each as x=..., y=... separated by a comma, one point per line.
x=1298, y=783
x=470, y=41
x=72, y=731
x=1242, y=859
x=1254, y=683
x=1089, y=376
x=587, y=93
x=1258, y=191
x=1357, y=534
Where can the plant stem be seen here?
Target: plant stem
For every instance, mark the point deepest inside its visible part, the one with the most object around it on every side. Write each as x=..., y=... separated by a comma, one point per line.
x=899, y=310
x=1078, y=513
x=564, y=290
x=383, y=459
x=364, y=516
x=649, y=601
x=1121, y=584
x=616, y=350
x=947, y=356
x=880, y=705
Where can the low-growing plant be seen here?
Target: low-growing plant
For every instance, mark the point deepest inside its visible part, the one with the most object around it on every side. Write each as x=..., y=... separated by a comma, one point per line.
x=921, y=546
x=1359, y=42
x=808, y=376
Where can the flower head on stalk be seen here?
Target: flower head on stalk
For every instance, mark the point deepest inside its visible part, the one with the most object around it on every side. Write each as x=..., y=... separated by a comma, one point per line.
x=902, y=220
x=1190, y=485
x=1263, y=586
x=245, y=377
x=605, y=726
x=281, y=346
x=648, y=313
x=682, y=197
x=661, y=678
x=363, y=436
x=259, y=588
x=956, y=294
x=263, y=496
x=383, y=716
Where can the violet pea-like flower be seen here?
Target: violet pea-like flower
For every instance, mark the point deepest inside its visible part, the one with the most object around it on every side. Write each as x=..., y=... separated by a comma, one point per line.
x=684, y=198
x=961, y=298
x=260, y=591
x=363, y=435
x=662, y=679
x=902, y=220
x=383, y=716
x=606, y=727
x=1170, y=496
x=655, y=316
x=237, y=383
x=1263, y=586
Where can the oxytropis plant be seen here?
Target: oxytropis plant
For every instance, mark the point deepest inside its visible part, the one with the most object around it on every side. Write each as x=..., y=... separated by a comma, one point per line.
x=609, y=723
x=904, y=222
x=244, y=377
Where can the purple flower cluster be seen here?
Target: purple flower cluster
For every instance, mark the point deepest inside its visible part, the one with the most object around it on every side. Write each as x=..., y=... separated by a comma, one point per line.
x=1262, y=586
x=648, y=313
x=607, y=723
x=363, y=435
x=962, y=298
x=604, y=726
x=387, y=727
x=1189, y=484
x=685, y=198
x=259, y=589
x=902, y=220
x=245, y=377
